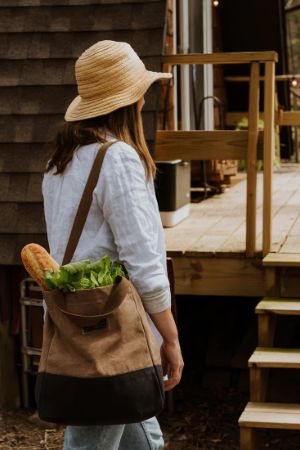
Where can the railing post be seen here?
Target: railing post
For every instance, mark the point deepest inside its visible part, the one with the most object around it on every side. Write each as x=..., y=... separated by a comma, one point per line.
x=269, y=106
x=253, y=119
x=255, y=59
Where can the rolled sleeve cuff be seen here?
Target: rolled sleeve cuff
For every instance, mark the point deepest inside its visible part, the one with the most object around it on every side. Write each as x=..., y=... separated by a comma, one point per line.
x=157, y=302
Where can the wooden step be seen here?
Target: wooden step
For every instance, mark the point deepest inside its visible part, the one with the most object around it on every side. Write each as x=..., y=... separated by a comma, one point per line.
x=277, y=358
x=286, y=306
x=271, y=415
x=282, y=260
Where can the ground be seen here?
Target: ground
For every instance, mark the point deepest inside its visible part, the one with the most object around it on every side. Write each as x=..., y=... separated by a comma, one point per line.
x=203, y=419
x=202, y=423
x=218, y=336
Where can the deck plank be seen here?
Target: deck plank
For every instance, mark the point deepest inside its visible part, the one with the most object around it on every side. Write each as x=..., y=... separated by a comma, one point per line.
x=282, y=260
x=216, y=226
x=279, y=358
x=271, y=415
x=236, y=241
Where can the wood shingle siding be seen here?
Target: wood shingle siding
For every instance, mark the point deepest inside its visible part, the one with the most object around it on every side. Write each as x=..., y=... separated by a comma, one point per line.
x=17, y=217
x=12, y=157
x=83, y=18
x=21, y=187
x=16, y=3
x=35, y=72
x=71, y=45
x=44, y=99
x=40, y=127
x=40, y=42
x=10, y=245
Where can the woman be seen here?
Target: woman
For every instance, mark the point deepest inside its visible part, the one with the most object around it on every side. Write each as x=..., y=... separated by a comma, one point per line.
x=123, y=220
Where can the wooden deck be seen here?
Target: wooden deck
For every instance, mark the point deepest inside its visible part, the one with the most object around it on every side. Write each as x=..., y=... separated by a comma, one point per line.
x=209, y=246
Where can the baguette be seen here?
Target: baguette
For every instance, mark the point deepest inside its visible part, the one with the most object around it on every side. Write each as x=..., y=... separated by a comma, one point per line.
x=37, y=261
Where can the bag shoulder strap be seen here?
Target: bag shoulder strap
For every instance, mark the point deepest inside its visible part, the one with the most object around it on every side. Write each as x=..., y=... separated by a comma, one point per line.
x=85, y=203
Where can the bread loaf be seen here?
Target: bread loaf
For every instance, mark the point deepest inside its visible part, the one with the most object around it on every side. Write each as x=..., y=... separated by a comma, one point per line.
x=37, y=261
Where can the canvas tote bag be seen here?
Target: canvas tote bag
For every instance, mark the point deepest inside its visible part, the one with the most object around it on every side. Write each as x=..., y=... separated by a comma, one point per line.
x=100, y=363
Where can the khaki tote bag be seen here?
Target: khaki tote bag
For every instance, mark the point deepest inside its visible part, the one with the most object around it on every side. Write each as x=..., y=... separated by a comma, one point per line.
x=100, y=363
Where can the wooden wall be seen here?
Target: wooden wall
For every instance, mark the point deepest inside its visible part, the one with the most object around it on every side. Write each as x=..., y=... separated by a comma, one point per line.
x=41, y=40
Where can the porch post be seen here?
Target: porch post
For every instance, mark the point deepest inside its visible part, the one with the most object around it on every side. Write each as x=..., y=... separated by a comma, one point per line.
x=253, y=118
x=269, y=141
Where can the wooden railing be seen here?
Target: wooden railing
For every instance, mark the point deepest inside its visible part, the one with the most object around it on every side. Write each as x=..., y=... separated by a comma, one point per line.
x=225, y=144
x=282, y=118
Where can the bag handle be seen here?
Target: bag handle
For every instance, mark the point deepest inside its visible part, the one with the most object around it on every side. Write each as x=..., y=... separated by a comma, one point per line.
x=85, y=203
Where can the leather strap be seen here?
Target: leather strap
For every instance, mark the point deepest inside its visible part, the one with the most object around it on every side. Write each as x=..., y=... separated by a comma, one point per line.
x=85, y=203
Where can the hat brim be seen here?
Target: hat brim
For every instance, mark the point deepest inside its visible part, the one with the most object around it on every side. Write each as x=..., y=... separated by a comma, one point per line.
x=81, y=109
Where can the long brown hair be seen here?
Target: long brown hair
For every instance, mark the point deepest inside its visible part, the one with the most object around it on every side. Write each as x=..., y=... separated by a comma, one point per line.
x=124, y=123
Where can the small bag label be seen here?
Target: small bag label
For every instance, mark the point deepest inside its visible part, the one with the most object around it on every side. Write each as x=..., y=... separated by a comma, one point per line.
x=101, y=325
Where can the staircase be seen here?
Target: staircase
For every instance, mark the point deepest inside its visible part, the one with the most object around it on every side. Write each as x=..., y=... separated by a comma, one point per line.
x=258, y=413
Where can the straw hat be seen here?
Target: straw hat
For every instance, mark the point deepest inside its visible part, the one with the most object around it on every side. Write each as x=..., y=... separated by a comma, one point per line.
x=109, y=75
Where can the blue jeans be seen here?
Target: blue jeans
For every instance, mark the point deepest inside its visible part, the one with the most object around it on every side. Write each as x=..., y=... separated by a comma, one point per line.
x=145, y=435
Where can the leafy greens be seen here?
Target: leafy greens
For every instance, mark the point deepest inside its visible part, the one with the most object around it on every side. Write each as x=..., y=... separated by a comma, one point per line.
x=85, y=275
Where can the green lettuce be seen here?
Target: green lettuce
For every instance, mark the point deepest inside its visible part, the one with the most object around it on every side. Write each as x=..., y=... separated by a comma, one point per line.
x=85, y=275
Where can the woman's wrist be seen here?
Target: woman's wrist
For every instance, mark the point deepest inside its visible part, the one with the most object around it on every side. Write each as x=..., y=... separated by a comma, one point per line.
x=166, y=326
x=171, y=339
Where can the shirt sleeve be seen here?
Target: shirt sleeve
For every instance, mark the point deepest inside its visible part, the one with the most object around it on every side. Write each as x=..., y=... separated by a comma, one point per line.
x=124, y=198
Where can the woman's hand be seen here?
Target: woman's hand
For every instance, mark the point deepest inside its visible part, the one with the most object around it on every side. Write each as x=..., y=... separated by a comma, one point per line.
x=172, y=363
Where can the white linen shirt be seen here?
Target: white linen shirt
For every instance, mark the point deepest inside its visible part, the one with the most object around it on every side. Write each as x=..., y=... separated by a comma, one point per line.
x=123, y=221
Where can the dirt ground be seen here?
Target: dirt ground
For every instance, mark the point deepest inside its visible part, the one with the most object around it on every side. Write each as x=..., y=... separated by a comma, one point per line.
x=202, y=420
x=212, y=394
x=200, y=424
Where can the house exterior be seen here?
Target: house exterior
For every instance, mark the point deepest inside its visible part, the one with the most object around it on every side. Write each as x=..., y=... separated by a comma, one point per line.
x=41, y=40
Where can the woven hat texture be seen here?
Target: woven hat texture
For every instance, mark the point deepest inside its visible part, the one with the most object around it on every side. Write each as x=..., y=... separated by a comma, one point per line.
x=110, y=75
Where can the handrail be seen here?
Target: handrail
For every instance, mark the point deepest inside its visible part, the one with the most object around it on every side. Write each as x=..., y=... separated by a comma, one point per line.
x=286, y=77
x=221, y=58
x=203, y=145
x=282, y=118
x=268, y=59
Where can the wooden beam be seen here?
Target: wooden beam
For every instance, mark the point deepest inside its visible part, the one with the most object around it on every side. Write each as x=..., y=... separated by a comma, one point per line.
x=248, y=439
x=272, y=306
x=221, y=58
x=282, y=118
x=233, y=117
x=258, y=384
x=231, y=277
x=252, y=159
x=292, y=285
x=277, y=358
x=271, y=415
x=266, y=330
x=269, y=144
x=282, y=260
x=289, y=118
x=203, y=145
x=271, y=281
x=277, y=78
